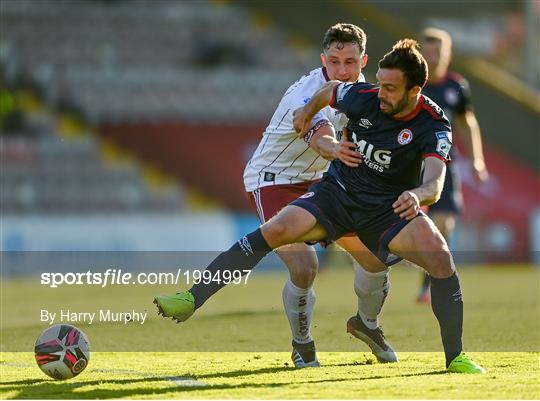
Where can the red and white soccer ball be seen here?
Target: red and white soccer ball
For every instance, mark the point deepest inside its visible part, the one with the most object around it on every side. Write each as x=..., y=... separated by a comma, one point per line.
x=62, y=351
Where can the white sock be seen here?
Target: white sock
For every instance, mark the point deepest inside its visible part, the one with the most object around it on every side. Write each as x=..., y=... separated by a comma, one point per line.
x=299, y=304
x=371, y=289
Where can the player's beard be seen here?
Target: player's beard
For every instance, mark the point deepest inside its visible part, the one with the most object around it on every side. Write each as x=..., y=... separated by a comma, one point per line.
x=398, y=108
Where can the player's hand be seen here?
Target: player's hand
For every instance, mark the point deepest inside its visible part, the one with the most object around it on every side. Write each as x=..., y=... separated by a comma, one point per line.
x=301, y=122
x=480, y=172
x=407, y=205
x=347, y=153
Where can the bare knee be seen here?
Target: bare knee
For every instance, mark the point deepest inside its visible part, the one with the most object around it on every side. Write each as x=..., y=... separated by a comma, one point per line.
x=439, y=262
x=274, y=232
x=301, y=260
x=423, y=244
x=303, y=277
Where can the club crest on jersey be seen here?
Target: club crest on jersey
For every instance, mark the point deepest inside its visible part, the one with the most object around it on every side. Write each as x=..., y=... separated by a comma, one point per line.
x=405, y=137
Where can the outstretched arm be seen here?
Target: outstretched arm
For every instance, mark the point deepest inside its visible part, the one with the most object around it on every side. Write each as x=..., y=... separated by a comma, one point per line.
x=409, y=202
x=304, y=115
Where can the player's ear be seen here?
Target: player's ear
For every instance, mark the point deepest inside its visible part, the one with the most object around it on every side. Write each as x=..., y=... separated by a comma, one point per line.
x=415, y=91
x=364, y=60
x=323, y=59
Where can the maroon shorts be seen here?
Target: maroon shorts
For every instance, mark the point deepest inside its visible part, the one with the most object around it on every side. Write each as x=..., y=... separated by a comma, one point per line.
x=268, y=201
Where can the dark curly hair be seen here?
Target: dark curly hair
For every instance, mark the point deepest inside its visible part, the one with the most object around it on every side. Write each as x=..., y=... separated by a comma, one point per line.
x=406, y=57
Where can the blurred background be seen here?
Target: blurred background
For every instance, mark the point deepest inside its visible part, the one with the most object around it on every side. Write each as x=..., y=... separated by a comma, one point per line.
x=126, y=124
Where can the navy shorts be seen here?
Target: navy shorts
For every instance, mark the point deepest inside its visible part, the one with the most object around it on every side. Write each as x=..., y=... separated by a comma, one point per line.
x=339, y=214
x=451, y=200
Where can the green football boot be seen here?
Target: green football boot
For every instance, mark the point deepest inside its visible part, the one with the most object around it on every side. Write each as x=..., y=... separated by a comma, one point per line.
x=179, y=306
x=464, y=364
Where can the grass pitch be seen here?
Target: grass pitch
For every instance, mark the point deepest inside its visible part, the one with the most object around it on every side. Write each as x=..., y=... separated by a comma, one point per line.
x=501, y=332
x=266, y=375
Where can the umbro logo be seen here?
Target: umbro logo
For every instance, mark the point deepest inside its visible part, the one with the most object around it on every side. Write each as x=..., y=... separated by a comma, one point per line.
x=365, y=123
x=456, y=296
x=245, y=246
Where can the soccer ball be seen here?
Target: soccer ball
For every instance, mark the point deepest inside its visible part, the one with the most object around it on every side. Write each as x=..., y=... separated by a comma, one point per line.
x=62, y=351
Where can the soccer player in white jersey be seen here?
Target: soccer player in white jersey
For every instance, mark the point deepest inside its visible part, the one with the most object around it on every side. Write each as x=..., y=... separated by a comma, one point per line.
x=283, y=167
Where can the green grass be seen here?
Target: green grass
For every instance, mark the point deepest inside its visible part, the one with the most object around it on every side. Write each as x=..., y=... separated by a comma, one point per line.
x=502, y=332
x=265, y=375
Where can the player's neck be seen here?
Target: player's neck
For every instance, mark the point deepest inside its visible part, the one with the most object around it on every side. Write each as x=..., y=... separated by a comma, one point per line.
x=409, y=111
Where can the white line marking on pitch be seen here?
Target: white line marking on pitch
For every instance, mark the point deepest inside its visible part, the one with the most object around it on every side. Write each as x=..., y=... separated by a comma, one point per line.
x=180, y=381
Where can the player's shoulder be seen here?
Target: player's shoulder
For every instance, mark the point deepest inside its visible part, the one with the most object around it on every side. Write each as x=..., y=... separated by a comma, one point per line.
x=434, y=111
x=454, y=78
x=305, y=86
x=361, y=87
x=356, y=89
x=314, y=78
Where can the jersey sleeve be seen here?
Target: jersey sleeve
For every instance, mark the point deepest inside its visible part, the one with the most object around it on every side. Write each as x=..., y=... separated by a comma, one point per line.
x=298, y=97
x=348, y=97
x=464, y=103
x=437, y=144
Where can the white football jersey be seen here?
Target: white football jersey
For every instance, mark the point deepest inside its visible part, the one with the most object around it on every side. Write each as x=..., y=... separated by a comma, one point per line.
x=282, y=157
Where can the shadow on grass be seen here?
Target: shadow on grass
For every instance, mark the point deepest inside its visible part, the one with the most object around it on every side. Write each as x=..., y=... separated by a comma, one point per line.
x=26, y=382
x=47, y=389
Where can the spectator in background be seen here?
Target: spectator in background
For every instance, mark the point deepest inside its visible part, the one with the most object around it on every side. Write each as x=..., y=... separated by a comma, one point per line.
x=451, y=92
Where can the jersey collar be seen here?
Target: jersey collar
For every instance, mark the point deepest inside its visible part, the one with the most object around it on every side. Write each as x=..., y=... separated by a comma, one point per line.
x=325, y=74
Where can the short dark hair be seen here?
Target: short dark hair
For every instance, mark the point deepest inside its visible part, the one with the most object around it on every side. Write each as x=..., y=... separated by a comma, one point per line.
x=345, y=33
x=406, y=57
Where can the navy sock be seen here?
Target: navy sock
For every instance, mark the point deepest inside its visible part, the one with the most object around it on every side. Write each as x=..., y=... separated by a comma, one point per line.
x=447, y=304
x=243, y=255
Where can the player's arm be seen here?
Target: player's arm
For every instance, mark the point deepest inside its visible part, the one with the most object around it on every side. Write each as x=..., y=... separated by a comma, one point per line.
x=469, y=131
x=409, y=202
x=304, y=115
x=324, y=142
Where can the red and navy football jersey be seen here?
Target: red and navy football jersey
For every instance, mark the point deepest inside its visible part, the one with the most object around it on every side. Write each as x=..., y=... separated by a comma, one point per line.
x=451, y=93
x=393, y=149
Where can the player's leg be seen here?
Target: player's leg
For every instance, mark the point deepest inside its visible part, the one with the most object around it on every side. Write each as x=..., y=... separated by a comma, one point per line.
x=302, y=263
x=299, y=300
x=292, y=224
x=445, y=221
x=325, y=202
x=421, y=243
x=371, y=285
x=443, y=213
